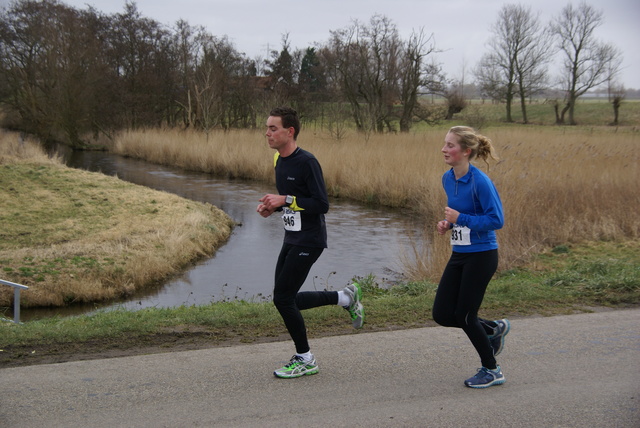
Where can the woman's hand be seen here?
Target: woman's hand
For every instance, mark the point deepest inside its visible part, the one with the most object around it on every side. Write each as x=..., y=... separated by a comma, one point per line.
x=443, y=226
x=451, y=215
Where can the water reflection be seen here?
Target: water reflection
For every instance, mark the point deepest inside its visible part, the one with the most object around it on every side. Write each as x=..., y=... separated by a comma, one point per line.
x=362, y=240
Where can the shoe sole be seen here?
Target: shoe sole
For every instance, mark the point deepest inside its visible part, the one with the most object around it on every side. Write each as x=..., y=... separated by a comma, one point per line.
x=506, y=331
x=306, y=373
x=487, y=385
x=358, y=322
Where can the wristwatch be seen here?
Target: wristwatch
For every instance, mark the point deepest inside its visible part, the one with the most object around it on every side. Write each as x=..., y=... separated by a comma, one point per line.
x=288, y=200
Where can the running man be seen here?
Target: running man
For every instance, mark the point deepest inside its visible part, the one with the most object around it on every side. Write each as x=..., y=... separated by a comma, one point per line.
x=302, y=199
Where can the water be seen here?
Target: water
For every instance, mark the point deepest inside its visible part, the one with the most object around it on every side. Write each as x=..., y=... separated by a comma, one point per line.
x=363, y=240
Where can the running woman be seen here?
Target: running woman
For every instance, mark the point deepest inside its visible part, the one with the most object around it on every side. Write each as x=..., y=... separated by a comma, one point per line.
x=302, y=199
x=473, y=214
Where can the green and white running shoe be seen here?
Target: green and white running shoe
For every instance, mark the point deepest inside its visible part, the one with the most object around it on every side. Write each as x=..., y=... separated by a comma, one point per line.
x=297, y=367
x=355, y=309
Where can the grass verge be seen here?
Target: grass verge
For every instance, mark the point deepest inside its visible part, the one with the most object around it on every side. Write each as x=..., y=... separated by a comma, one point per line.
x=565, y=280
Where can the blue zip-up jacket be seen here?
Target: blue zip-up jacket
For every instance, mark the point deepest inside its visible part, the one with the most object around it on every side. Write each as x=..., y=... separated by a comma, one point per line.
x=478, y=202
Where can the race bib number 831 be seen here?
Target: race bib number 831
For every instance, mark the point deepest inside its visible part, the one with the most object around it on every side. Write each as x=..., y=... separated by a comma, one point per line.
x=460, y=235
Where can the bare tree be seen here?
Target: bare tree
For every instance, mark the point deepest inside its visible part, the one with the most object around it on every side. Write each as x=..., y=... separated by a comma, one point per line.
x=519, y=53
x=65, y=73
x=141, y=55
x=411, y=75
x=187, y=48
x=359, y=58
x=377, y=73
x=51, y=66
x=436, y=83
x=617, y=94
x=28, y=64
x=489, y=79
x=587, y=62
x=218, y=78
x=456, y=102
x=367, y=62
x=533, y=53
x=503, y=53
x=208, y=100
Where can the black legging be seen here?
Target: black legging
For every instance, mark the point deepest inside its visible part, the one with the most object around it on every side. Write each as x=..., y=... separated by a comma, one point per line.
x=292, y=268
x=460, y=293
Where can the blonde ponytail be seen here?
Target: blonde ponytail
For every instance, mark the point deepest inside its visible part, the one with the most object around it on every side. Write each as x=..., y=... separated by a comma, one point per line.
x=480, y=146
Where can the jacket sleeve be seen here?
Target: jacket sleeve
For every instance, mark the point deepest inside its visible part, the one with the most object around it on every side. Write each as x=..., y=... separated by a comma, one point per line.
x=491, y=215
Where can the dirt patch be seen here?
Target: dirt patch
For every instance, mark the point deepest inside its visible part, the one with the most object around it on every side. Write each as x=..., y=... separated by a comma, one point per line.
x=50, y=353
x=171, y=341
x=177, y=340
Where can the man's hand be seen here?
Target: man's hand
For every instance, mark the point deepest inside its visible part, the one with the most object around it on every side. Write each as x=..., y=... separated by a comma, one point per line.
x=269, y=203
x=264, y=211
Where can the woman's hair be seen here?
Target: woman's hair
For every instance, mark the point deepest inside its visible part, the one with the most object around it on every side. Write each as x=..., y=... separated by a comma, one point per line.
x=480, y=145
x=289, y=119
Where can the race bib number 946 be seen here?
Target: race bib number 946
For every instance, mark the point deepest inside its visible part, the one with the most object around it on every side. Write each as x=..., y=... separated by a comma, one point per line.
x=292, y=220
x=460, y=235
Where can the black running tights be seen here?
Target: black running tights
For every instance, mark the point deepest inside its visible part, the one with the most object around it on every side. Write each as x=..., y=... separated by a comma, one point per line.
x=292, y=268
x=460, y=294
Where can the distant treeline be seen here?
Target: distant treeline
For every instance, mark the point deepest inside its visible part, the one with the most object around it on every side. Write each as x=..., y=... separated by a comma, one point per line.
x=72, y=75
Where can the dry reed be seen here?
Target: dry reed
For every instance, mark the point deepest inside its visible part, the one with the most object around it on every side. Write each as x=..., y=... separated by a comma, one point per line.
x=558, y=185
x=15, y=149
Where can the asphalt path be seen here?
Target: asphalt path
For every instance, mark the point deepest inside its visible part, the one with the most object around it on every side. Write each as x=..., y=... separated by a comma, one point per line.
x=565, y=371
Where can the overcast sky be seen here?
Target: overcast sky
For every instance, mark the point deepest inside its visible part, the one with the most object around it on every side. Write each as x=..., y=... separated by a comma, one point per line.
x=460, y=27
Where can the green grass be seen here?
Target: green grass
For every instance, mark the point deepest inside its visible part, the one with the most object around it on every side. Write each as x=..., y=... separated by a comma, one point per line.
x=62, y=204
x=587, y=113
x=482, y=114
x=565, y=280
x=76, y=236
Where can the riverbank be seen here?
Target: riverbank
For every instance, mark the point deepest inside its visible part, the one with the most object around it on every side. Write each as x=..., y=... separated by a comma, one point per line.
x=591, y=277
x=74, y=236
x=564, y=279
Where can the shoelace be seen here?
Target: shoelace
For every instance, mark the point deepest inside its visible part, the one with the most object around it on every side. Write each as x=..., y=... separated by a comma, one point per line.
x=483, y=371
x=295, y=360
x=354, y=314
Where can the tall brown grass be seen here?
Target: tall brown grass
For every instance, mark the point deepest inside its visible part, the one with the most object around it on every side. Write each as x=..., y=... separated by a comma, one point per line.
x=15, y=149
x=558, y=185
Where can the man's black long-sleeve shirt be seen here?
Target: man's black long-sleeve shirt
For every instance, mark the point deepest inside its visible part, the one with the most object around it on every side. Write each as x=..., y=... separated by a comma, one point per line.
x=300, y=175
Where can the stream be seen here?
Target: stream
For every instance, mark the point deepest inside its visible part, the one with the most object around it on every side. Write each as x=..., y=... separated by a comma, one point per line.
x=363, y=240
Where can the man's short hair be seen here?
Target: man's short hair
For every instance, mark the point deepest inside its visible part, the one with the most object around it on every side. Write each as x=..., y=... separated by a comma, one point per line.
x=289, y=119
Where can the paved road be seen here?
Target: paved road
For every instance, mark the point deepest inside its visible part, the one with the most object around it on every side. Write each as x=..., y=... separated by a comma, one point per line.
x=566, y=371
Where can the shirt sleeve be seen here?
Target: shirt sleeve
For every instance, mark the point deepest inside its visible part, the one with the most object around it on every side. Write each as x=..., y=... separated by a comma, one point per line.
x=491, y=215
x=317, y=202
